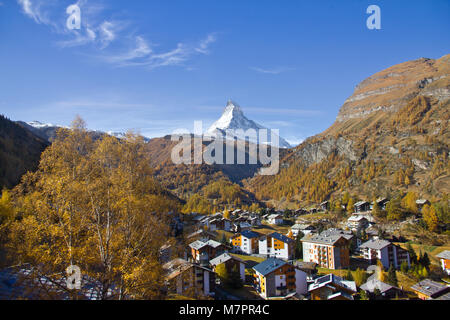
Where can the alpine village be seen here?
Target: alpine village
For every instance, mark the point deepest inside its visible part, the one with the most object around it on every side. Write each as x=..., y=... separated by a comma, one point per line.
x=357, y=212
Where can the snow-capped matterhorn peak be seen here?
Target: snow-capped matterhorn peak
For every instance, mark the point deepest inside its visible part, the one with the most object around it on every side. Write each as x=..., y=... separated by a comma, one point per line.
x=232, y=119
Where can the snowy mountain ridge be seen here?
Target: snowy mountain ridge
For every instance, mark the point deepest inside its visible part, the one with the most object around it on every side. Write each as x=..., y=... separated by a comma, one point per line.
x=233, y=119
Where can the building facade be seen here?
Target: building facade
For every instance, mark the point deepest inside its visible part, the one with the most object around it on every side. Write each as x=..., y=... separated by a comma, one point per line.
x=277, y=245
x=444, y=258
x=332, y=287
x=385, y=251
x=277, y=278
x=245, y=242
x=187, y=278
x=328, y=249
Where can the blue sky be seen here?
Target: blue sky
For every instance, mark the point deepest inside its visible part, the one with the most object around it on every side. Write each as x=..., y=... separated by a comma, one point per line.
x=156, y=66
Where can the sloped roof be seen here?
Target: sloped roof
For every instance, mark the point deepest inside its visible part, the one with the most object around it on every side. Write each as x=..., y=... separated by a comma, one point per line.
x=444, y=255
x=200, y=232
x=430, y=287
x=376, y=244
x=373, y=284
x=301, y=226
x=269, y=266
x=328, y=237
x=198, y=244
x=224, y=258
x=356, y=217
x=302, y=265
x=250, y=234
x=177, y=266
x=280, y=237
x=444, y=297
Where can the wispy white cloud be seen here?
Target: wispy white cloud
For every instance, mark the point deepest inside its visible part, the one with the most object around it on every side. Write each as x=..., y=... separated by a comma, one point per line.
x=142, y=54
x=100, y=32
x=203, y=46
x=80, y=38
x=34, y=10
x=276, y=70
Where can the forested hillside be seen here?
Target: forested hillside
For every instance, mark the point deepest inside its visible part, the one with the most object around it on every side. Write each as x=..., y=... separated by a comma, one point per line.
x=20, y=151
x=392, y=136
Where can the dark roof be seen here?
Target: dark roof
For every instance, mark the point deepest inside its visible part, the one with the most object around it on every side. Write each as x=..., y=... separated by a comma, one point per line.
x=444, y=297
x=281, y=237
x=302, y=265
x=269, y=266
x=430, y=288
x=250, y=234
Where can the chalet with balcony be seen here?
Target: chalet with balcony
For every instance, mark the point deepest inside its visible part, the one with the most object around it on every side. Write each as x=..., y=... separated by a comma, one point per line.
x=385, y=251
x=245, y=242
x=303, y=228
x=277, y=245
x=183, y=276
x=275, y=219
x=276, y=278
x=385, y=290
x=231, y=262
x=357, y=222
x=381, y=202
x=444, y=258
x=362, y=206
x=204, y=250
x=329, y=249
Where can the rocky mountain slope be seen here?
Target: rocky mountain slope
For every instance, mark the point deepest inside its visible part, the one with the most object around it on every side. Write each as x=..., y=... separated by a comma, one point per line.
x=391, y=135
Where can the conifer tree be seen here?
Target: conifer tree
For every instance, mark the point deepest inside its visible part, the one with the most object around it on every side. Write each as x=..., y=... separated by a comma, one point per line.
x=392, y=276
